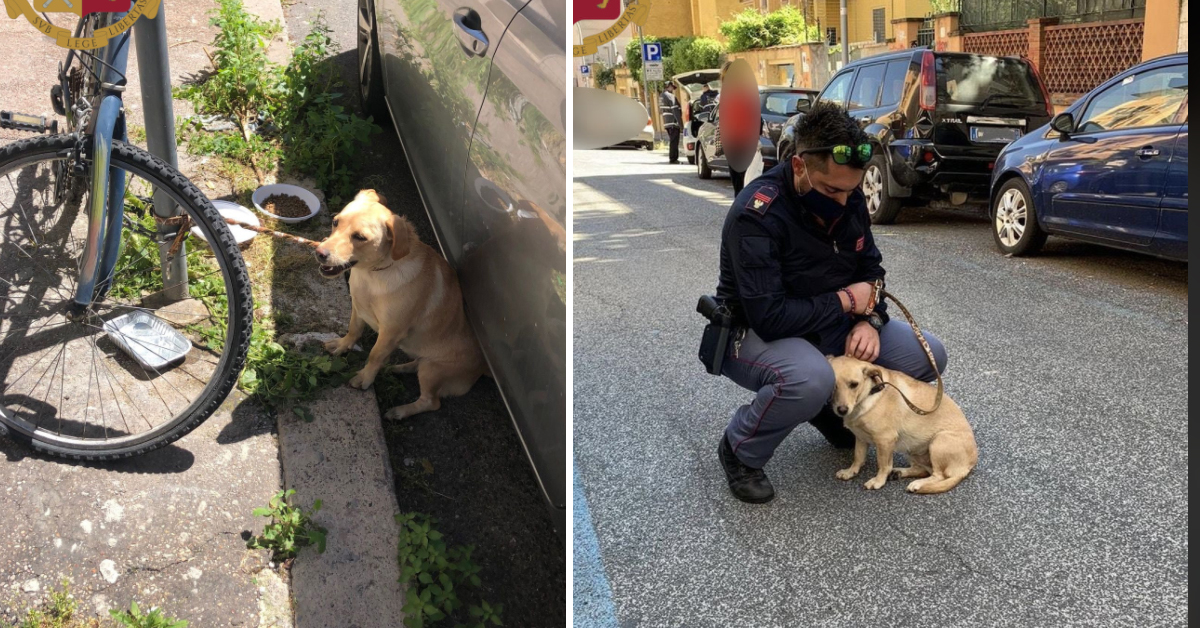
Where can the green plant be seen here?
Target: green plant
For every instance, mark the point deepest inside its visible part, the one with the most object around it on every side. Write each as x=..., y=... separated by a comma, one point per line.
x=696, y=53
x=290, y=528
x=436, y=575
x=57, y=612
x=286, y=115
x=605, y=75
x=134, y=618
x=277, y=375
x=752, y=29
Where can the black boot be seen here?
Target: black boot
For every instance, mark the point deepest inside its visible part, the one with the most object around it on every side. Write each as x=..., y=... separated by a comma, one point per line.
x=747, y=484
x=833, y=429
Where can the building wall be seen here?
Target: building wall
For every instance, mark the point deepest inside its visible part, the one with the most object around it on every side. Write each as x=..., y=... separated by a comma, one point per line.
x=1164, y=29
x=669, y=18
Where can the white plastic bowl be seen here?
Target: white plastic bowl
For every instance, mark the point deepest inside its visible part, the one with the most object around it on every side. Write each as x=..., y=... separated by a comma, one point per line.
x=229, y=209
x=266, y=191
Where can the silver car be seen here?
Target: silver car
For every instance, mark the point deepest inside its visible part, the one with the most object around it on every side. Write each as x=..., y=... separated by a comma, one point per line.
x=476, y=91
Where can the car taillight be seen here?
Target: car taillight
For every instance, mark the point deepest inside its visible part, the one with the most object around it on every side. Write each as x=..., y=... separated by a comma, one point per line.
x=1037, y=76
x=928, y=82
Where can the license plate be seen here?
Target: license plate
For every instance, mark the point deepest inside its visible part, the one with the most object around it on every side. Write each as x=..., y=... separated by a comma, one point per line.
x=994, y=134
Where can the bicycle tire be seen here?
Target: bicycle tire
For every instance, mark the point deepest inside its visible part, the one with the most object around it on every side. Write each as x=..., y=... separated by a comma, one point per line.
x=189, y=198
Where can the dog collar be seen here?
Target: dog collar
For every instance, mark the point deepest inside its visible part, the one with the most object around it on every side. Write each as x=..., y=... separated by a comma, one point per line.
x=384, y=267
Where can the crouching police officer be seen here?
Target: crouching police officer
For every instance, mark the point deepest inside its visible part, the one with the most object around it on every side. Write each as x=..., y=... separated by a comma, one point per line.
x=798, y=264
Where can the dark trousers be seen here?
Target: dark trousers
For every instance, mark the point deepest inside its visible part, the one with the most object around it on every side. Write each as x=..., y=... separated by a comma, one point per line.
x=793, y=381
x=673, y=135
x=739, y=181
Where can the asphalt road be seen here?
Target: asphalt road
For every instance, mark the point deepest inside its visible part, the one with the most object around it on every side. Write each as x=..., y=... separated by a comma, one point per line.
x=1072, y=368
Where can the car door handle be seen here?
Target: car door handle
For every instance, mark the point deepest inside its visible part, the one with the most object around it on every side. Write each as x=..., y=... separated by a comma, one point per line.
x=866, y=120
x=470, y=32
x=1147, y=152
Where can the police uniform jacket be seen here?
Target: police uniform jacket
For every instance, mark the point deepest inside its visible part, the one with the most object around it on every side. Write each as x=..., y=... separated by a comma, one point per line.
x=781, y=269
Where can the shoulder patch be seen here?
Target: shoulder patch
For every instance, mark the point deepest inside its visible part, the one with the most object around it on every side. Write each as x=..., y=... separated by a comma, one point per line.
x=762, y=199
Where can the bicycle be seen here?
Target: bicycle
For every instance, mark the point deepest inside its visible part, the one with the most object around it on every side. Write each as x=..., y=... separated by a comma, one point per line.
x=116, y=336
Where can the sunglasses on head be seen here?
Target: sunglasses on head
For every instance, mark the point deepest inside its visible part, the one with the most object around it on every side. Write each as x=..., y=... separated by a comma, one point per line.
x=843, y=154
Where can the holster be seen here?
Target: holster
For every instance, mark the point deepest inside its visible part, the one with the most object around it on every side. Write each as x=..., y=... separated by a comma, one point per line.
x=714, y=343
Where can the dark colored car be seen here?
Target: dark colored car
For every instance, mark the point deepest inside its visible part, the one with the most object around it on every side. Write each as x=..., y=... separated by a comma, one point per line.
x=475, y=90
x=1111, y=169
x=776, y=103
x=779, y=104
x=940, y=120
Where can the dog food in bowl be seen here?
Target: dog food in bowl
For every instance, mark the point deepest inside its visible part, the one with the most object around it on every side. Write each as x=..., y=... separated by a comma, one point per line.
x=286, y=206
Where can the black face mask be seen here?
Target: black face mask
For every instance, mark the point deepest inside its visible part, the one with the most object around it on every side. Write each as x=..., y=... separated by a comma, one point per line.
x=823, y=207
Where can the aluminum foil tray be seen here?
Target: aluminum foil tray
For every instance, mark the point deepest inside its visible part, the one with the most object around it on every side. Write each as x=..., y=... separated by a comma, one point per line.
x=153, y=342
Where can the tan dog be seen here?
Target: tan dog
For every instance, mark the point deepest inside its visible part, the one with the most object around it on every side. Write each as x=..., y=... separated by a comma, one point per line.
x=404, y=290
x=940, y=447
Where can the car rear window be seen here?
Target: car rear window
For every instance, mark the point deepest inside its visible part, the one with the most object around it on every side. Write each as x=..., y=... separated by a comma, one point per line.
x=782, y=103
x=994, y=81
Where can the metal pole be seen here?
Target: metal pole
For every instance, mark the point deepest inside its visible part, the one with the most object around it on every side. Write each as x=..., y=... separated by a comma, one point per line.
x=845, y=36
x=154, y=69
x=645, y=84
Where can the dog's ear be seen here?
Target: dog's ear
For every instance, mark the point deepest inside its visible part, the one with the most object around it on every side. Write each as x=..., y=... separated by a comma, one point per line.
x=371, y=195
x=399, y=232
x=874, y=374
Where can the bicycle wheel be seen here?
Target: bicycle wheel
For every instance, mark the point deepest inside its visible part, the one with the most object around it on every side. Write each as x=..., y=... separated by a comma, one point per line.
x=91, y=386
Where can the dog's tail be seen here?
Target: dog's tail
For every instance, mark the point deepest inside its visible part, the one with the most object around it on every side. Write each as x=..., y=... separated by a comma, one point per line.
x=934, y=486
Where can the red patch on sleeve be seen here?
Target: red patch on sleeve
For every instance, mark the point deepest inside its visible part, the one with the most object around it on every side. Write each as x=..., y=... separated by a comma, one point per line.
x=858, y=246
x=762, y=198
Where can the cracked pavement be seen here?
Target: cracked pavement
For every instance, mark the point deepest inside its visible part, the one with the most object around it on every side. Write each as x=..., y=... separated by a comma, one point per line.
x=1071, y=367
x=165, y=529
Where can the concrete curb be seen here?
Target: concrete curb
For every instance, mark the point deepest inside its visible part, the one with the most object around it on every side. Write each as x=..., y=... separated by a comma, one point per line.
x=341, y=458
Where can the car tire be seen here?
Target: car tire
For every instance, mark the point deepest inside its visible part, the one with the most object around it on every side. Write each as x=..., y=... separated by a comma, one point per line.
x=1014, y=220
x=882, y=207
x=370, y=68
x=702, y=167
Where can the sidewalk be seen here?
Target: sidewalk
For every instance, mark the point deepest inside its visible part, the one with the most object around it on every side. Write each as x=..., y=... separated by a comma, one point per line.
x=168, y=529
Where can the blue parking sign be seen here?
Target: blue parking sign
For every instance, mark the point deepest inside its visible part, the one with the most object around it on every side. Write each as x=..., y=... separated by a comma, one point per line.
x=585, y=70
x=652, y=52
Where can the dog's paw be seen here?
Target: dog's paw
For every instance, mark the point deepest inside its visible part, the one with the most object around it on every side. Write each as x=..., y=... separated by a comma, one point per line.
x=875, y=483
x=847, y=474
x=361, y=382
x=335, y=347
x=395, y=414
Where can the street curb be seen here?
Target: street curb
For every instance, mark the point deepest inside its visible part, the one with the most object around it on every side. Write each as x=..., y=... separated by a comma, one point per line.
x=341, y=459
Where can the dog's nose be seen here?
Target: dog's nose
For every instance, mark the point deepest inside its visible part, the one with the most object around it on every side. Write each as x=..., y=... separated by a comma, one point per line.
x=322, y=255
x=842, y=410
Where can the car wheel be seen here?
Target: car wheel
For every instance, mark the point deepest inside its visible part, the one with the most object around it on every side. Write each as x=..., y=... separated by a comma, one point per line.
x=880, y=204
x=702, y=167
x=1014, y=220
x=370, y=71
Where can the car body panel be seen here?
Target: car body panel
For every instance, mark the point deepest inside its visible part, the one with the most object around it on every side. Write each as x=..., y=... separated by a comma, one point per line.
x=435, y=90
x=1094, y=185
x=485, y=138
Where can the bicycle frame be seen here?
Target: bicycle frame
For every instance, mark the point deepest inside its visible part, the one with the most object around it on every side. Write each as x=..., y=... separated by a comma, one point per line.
x=106, y=124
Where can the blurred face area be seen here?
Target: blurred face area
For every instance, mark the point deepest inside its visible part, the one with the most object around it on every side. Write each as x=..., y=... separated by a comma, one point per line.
x=818, y=172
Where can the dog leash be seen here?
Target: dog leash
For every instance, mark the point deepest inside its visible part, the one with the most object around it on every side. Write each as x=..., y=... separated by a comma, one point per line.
x=881, y=294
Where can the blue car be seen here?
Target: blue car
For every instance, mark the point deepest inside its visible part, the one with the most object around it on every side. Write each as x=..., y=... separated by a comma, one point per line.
x=1111, y=169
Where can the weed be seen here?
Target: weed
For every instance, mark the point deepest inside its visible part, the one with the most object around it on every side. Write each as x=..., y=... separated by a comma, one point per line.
x=290, y=528
x=58, y=612
x=436, y=575
x=284, y=113
x=154, y=619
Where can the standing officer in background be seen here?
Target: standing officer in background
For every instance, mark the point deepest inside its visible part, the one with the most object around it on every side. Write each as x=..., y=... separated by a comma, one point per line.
x=797, y=265
x=672, y=115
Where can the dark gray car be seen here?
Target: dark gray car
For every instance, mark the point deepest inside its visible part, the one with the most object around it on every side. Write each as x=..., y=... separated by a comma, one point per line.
x=476, y=91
